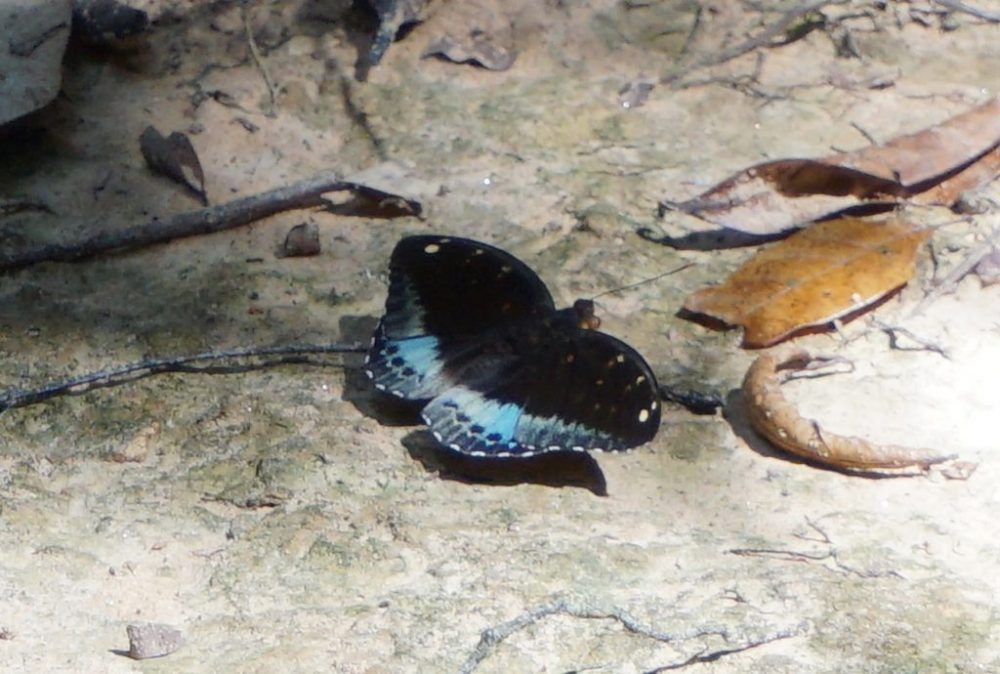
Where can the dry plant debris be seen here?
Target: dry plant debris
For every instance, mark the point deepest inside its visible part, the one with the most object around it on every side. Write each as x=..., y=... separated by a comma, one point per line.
x=988, y=267
x=777, y=420
x=107, y=23
x=393, y=15
x=813, y=277
x=352, y=198
x=174, y=157
x=931, y=167
x=491, y=637
x=473, y=31
x=302, y=240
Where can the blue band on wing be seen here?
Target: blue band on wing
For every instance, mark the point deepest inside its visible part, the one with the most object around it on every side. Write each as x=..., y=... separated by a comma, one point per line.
x=468, y=421
x=541, y=434
x=408, y=368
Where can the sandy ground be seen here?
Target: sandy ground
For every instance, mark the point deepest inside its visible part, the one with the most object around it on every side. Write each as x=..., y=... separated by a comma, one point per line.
x=284, y=521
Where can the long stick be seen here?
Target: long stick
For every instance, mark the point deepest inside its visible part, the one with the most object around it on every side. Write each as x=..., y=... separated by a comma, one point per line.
x=307, y=193
x=112, y=377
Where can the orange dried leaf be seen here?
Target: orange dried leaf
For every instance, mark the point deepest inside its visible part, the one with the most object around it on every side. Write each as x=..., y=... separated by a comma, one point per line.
x=813, y=277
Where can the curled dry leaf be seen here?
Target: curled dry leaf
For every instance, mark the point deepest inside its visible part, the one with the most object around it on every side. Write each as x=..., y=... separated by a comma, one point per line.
x=174, y=157
x=774, y=418
x=815, y=276
x=931, y=167
x=473, y=31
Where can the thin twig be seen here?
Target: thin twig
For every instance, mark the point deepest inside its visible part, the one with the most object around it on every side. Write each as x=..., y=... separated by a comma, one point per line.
x=307, y=193
x=960, y=6
x=949, y=282
x=893, y=331
x=145, y=368
x=356, y=111
x=761, y=39
x=491, y=637
x=708, y=655
x=255, y=53
x=860, y=129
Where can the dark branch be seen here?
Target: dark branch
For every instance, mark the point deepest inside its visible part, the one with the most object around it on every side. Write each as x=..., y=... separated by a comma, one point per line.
x=116, y=376
x=304, y=194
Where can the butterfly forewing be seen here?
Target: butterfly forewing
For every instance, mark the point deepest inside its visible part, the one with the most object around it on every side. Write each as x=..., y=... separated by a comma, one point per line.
x=452, y=287
x=444, y=294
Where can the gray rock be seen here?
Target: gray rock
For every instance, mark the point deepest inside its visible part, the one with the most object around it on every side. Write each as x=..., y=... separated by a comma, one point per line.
x=35, y=33
x=152, y=640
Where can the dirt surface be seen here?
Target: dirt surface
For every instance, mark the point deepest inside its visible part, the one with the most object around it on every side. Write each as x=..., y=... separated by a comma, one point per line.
x=284, y=521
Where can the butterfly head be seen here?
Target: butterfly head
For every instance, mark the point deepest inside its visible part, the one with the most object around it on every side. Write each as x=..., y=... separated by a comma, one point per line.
x=585, y=318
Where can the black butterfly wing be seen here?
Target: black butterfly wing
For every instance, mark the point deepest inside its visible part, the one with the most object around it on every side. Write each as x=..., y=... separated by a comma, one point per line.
x=568, y=388
x=445, y=293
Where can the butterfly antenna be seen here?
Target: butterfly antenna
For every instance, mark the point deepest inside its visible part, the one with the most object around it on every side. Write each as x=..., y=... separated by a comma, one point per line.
x=644, y=281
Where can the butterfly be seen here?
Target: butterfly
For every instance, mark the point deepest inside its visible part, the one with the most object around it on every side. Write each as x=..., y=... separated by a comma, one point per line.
x=473, y=333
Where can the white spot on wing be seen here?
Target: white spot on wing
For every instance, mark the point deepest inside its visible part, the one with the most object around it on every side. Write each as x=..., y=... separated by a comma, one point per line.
x=431, y=248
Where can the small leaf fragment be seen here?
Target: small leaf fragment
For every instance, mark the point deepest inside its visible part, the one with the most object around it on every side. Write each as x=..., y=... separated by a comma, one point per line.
x=777, y=420
x=813, y=277
x=174, y=157
x=302, y=240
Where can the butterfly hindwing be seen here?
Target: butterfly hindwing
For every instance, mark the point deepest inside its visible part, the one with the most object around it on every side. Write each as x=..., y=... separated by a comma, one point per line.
x=571, y=389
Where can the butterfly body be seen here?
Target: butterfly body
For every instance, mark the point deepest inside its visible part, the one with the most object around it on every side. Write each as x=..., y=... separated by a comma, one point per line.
x=473, y=331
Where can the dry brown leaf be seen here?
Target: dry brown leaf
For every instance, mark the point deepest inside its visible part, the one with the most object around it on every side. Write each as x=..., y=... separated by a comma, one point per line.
x=933, y=166
x=473, y=31
x=949, y=191
x=813, y=277
x=924, y=158
x=774, y=418
x=174, y=157
x=779, y=195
